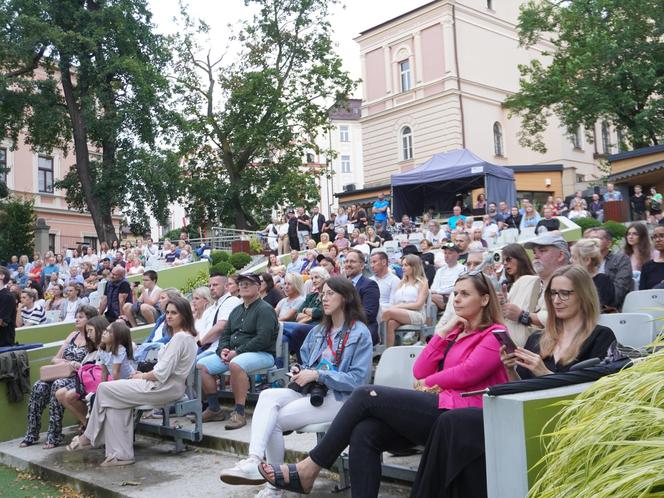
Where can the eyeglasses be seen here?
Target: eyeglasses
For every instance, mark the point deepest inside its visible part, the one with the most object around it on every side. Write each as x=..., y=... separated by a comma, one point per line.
x=507, y=259
x=563, y=294
x=657, y=236
x=327, y=294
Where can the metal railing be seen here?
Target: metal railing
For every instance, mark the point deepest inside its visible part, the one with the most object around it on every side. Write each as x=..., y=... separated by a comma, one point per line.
x=222, y=238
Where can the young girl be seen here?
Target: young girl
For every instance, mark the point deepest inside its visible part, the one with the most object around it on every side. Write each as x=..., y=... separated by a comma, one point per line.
x=70, y=398
x=117, y=353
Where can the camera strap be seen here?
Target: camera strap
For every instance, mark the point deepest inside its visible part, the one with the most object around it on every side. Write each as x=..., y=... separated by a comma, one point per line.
x=340, y=346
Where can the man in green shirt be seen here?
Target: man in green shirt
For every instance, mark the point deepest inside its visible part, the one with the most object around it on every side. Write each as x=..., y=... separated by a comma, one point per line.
x=246, y=344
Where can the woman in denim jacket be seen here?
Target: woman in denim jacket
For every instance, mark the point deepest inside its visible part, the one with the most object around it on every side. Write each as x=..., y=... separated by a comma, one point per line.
x=336, y=358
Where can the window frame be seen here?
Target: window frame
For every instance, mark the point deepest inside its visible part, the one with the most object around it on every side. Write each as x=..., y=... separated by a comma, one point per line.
x=344, y=133
x=577, y=142
x=606, y=138
x=43, y=174
x=345, y=164
x=498, y=144
x=406, y=143
x=4, y=169
x=404, y=75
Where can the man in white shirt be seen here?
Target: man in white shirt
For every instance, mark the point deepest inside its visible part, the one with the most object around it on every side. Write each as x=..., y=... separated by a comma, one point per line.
x=224, y=290
x=386, y=280
x=317, y=221
x=446, y=276
x=362, y=245
x=147, y=305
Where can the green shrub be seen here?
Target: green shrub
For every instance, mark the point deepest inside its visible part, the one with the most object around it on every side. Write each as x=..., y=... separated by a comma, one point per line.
x=240, y=259
x=586, y=223
x=255, y=246
x=219, y=256
x=617, y=230
x=223, y=268
x=198, y=280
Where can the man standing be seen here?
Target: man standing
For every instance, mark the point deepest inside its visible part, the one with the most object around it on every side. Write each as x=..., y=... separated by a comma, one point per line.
x=638, y=204
x=456, y=218
x=366, y=288
x=386, y=280
x=462, y=241
x=116, y=294
x=380, y=210
x=616, y=265
x=246, y=345
x=446, y=276
x=548, y=222
x=317, y=222
x=612, y=194
x=303, y=227
x=7, y=310
x=293, y=239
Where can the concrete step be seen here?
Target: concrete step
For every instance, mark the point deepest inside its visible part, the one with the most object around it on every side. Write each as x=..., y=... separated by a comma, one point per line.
x=160, y=472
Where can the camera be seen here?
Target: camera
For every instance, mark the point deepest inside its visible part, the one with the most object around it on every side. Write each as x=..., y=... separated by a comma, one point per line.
x=315, y=390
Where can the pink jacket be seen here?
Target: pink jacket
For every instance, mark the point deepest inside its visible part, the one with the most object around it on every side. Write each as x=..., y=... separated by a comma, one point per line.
x=472, y=363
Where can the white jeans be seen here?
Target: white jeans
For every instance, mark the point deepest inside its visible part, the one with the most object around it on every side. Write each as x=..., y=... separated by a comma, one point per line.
x=280, y=410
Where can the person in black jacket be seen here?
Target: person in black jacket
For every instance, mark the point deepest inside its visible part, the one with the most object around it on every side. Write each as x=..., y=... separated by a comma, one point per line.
x=7, y=310
x=514, y=219
x=366, y=288
x=587, y=253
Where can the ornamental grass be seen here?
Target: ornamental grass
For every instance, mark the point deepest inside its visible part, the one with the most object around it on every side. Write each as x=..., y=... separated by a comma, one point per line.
x=609, y=440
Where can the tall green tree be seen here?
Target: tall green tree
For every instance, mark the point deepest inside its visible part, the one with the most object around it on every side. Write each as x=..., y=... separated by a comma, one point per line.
x=91, y=72
x=252, y=121
x=17, y=227
x=607, y=63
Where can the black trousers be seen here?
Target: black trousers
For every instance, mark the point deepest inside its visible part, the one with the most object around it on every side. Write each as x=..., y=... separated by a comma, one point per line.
x=316, y=237
x=294, y=242
x=376, y=419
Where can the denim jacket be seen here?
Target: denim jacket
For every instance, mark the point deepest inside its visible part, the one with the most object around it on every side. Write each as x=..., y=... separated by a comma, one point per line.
x=355, y=361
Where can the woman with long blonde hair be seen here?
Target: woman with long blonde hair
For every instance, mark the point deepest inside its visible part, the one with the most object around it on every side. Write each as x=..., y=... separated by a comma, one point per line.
x=571, y=334
x=409, y=299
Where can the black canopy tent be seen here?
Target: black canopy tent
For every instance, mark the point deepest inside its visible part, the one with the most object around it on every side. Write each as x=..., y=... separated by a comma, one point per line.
x=435, y=183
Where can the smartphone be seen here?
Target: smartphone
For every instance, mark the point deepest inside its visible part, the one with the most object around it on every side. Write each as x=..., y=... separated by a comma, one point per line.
x=504, y=338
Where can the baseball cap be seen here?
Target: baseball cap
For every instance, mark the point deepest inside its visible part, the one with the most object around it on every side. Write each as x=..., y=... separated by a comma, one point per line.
x=254, y=279
x=452, y=247
x=548, y=239
x=325, y=257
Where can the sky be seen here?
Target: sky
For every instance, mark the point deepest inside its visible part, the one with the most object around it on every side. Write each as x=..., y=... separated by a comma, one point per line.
x=348, y=19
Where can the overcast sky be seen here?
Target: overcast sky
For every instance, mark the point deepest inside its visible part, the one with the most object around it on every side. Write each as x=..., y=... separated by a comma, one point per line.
x=347, y=20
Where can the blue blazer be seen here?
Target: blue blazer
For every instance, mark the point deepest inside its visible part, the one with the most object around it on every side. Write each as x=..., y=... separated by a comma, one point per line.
x=370, y=296
x=355, y=364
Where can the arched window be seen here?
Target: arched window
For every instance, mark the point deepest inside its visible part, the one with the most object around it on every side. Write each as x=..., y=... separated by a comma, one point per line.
x=606, y=140
x=406, y=143
x=498, y=139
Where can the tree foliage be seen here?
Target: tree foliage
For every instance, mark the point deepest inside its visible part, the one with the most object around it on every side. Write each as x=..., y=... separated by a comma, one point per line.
x=17, y=227
x=607, y=63
x=91, y=72
x=251, y=121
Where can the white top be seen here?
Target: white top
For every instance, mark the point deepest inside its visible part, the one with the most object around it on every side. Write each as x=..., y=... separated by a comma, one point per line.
x=225, y=305
x=387, y=286
x=443, y=282
x=406, y=293
x=204, y=323
x=287, y=304
x=108, y=359
x=363, y=248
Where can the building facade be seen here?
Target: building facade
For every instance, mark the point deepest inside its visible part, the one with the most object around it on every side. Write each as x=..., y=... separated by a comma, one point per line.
x=435, y=79
x=32, y=174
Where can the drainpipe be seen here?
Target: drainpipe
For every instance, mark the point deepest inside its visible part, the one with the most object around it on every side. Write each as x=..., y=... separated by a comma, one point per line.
x=456, y=63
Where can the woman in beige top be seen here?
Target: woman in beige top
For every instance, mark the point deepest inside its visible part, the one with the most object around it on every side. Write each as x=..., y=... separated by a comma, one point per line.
x=111, y=419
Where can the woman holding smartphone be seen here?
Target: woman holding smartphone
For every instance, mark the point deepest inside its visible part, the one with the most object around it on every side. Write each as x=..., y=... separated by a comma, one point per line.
x=462, y=356
x=337, y=355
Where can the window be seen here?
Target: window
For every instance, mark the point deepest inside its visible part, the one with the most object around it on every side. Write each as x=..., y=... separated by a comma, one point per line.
x=51, y=242
x=45, y=174
x=310, y=158
x=406, y=143
x=345, y=164
x=606, y=142
x=404, y=70
x=622, y=141
x=344, y=133
x=489, y=4
x=90, y=241
x=576, y=138
x=498, y=139
x=3, y=165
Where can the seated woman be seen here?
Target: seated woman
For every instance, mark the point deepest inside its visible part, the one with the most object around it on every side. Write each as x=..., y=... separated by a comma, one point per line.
x=72, y=351
x=160, y=333
x=287, y=308
x=201, y=306
x=270, y=293
x=462, y=356
x=652, y=272
x=111, y=421
x=637, y=245
x=309, y=262
x=455, y=466
x=530, y=218
x=56, y=301
x=71, y=303
x=72, y=399
x=274, y=266
x=324, y=245
x=309, y=313
x=571, y=333
x=409, y=300
x=587, y=254
x=336, y=354
x=373, y=240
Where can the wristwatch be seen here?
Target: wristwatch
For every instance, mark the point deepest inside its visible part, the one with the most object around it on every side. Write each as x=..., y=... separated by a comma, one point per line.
x=524, y=318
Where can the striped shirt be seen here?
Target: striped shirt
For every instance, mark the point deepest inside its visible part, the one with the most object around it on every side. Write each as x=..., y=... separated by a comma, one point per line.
x=33, y=316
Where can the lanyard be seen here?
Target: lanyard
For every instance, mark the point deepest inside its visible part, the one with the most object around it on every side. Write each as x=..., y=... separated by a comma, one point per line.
x=340, y=347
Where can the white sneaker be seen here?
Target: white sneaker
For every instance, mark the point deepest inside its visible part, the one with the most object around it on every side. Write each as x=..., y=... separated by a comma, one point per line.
x=270, y=492
x=244, y=472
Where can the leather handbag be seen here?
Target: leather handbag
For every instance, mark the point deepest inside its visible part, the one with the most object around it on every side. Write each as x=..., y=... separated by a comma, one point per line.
x=49, y=373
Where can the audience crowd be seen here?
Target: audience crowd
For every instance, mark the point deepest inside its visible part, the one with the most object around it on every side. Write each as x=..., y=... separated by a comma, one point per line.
x=341, y=289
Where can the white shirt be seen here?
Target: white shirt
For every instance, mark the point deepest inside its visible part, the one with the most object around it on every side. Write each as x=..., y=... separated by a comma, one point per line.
x=225, y=305
x=363, y=248
x=314, y=223
x=387, y=286
x=443, y=282
x=204, y=323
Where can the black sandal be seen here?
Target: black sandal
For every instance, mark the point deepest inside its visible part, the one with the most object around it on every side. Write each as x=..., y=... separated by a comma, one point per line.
x=26, y=442
x=293, y=483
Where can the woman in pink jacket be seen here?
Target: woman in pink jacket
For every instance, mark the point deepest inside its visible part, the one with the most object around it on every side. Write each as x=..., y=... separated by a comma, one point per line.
x=463, y=356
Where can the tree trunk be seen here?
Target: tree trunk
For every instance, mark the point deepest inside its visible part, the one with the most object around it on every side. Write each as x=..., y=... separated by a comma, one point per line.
x=101, y=218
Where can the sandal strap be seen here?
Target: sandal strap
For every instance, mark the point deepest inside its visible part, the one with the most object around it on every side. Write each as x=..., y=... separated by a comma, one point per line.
x=278, y=475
